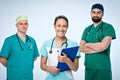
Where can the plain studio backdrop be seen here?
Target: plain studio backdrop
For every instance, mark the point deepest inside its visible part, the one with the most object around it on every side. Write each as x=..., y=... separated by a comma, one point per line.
x=41, y=14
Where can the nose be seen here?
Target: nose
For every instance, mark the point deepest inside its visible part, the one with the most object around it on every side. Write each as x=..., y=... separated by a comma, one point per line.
x=61, y=28
x=95, y=14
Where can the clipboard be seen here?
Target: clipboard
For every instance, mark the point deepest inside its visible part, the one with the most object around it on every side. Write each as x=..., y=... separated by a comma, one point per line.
x=71, y=53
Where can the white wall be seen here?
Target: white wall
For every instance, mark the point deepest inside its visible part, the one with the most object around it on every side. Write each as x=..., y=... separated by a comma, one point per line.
x=41, y=14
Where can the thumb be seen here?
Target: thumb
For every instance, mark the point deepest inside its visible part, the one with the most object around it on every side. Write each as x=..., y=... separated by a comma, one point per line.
x=63, y=54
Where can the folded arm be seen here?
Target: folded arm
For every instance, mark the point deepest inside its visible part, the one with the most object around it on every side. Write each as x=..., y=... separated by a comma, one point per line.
x=100, y=46
x=95, y=47
x=86, y=49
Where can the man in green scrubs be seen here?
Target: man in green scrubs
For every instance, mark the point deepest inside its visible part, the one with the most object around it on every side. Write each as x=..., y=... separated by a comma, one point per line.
x=19, y=52
x=95, y=43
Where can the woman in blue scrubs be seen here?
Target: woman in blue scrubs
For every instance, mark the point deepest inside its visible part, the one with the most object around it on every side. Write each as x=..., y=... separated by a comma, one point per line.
x=19, y=52
x=51, y=50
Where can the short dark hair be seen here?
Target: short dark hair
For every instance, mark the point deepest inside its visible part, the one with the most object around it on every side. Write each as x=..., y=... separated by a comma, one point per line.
x=61, y=17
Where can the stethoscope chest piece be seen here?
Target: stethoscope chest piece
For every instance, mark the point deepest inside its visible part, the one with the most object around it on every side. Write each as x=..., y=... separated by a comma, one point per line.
x=50, y=51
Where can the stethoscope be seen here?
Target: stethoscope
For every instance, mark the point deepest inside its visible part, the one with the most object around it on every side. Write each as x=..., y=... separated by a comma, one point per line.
x=50, y=51
x=29, y=46
x=97, y=36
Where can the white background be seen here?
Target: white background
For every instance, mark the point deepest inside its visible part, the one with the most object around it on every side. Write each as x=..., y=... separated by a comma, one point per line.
x=41, y=14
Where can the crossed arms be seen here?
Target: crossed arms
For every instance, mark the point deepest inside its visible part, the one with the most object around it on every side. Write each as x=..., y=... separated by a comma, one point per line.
x=91, y=48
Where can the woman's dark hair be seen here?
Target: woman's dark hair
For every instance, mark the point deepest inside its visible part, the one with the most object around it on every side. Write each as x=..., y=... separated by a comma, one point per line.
x=61, y=17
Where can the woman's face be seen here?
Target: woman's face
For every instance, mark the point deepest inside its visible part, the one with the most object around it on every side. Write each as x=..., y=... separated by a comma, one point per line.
x=61, y=27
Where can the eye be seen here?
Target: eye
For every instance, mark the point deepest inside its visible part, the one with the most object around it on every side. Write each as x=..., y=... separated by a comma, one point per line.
x=64, y=26
x=93, y=12
x=26, y=23
x=99, y=12
x=58, y=25
x=21, y=24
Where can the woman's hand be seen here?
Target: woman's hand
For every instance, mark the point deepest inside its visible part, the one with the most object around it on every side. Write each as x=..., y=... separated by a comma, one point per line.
x=54, y=70
x=62, y=58
x=73, y=65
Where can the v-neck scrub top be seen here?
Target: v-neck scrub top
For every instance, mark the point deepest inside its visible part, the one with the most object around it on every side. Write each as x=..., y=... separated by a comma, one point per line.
x=52, y=59
x=100, y=60
x=20, y=63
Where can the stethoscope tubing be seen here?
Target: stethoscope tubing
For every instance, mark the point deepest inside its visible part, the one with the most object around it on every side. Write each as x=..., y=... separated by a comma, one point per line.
x=21, y=48
x=50, y=51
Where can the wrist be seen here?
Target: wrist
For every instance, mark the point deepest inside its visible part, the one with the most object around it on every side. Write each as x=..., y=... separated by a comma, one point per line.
x=67, y=60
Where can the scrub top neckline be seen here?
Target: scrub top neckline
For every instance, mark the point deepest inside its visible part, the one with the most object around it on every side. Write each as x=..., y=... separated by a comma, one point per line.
x=55, y=45
x=99, y=25
x=22, y=40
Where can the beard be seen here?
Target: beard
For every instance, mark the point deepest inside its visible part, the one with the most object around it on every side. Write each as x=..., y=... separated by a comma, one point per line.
x=96, y=20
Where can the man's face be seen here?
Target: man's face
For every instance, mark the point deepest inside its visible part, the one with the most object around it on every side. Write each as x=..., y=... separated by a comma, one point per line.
x=22, y=26
x=96, y=15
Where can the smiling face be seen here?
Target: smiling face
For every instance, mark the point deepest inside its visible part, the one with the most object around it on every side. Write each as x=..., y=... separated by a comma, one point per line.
x=96, y=15
x=22, y=26
x=61, y=27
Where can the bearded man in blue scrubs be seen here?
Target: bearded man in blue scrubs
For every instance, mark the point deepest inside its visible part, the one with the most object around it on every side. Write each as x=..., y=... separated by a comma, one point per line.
x=19, y=52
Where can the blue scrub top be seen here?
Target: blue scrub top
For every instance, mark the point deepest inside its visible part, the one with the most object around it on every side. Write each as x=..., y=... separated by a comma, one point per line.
x=20, y=63
x=44, y=52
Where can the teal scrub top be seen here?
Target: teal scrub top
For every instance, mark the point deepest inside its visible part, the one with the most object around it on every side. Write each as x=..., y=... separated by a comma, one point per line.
x=20, y=63
x=44, y=52
x=100, y=60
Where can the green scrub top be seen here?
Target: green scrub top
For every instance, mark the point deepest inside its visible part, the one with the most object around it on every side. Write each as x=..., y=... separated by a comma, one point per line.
x=100, y=60
x=20, y=63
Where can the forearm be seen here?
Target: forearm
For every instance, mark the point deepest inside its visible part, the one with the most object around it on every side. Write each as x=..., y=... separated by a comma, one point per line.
x=73, y=65
x=87, y=50
x=35, y=59
x=94, y=46
x=45, y=67
x=3, y=61
x=100, y=46
x=4, y=64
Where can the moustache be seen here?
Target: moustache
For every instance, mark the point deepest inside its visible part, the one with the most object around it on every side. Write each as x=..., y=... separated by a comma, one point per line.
x=96, y=17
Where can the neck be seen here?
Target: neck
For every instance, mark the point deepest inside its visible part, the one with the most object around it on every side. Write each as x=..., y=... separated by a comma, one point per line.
x=95, y=24
x=22, y=36
x=60, y=40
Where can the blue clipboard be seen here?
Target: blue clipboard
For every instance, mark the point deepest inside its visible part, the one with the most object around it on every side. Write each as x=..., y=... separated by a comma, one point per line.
x=71, y=53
